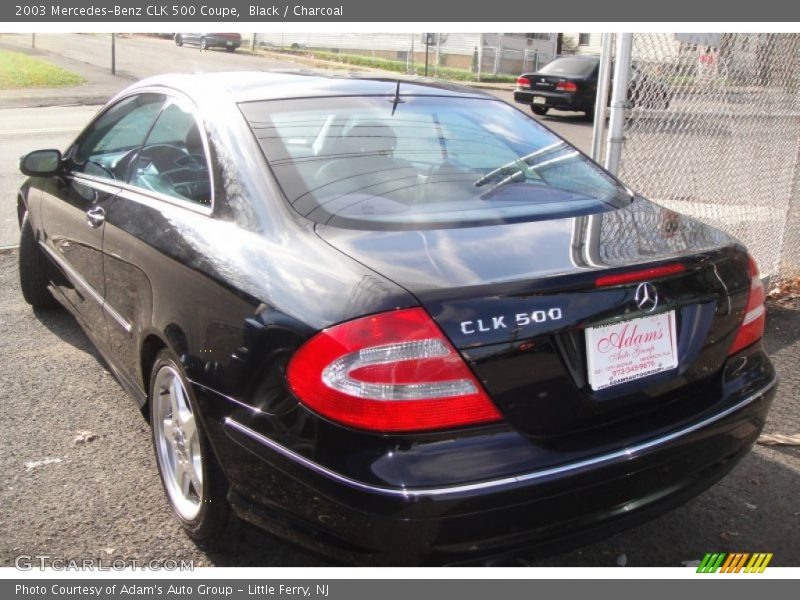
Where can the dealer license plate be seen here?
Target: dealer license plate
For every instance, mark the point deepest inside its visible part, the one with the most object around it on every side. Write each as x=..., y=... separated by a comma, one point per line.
x=630, y=350
x=539, y=100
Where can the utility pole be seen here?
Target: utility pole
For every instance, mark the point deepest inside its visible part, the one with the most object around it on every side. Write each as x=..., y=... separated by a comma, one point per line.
x=619, y=100
x=413, y=70
x=603, y=81
x=427, y=45
x=253, y=43
x=33, y=41
x=113, y=53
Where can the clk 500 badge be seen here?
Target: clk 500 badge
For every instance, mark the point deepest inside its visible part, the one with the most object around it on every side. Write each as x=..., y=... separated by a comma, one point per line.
x=519, y=320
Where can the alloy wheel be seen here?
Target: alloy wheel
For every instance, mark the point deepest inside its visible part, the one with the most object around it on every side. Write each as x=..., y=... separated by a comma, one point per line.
x=178, y=448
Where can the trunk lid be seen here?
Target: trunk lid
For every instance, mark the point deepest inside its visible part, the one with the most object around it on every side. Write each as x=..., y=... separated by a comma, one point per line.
x=477, y=281
x=546, y=83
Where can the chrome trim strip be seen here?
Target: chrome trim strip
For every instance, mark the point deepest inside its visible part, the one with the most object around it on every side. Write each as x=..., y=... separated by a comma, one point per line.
x=625, y=453
x=174, y=95
x=78, y=278
x=228, y=398
x=121, y=321
x=97, y=183
x=140, y=195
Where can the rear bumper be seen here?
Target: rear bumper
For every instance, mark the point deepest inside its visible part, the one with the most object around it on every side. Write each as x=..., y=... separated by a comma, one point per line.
x=557, y=100
x=218, y=42
x=549, y=509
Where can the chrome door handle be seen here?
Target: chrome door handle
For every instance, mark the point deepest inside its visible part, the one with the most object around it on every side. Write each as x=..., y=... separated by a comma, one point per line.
x=95, y=217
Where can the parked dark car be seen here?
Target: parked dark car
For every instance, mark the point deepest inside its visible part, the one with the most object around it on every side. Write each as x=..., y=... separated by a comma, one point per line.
x=229, y=41
x=569, y=83
x=394, y=322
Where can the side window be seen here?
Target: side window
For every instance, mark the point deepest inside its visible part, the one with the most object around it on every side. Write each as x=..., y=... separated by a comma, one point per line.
x=173, y=159
x=110, y=144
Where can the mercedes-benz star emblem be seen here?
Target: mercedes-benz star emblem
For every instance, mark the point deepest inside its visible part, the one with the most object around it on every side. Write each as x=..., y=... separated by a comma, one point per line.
x=646, y=297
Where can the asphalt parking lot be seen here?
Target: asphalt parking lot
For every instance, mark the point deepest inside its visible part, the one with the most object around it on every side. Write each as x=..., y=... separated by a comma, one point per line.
x=78, y=479
x=77, y=474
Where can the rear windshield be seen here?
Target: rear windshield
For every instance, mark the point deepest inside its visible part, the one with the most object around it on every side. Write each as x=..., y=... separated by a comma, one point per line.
x=423, y=162
x=570, y=67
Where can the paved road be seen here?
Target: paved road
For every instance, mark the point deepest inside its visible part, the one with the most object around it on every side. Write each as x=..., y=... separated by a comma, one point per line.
x=138, y=56
x=23, y=130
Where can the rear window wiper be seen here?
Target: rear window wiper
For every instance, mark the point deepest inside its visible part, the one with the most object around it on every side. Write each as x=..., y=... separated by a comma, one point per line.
x=514, y=165
x=518, y=164
x=515, y=177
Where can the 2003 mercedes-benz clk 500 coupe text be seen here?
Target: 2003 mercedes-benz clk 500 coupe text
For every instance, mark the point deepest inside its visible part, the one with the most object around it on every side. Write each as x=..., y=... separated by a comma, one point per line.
x=394, y=322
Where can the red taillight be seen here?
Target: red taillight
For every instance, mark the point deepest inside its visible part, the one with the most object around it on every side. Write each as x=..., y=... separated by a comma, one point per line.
x=752, y=327
x=393, y=371
x=523, y=82
x=640, y=275
x=566, y=86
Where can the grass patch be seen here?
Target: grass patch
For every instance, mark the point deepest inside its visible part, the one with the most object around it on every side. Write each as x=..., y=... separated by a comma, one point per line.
x=22, y=71
x=399, y=66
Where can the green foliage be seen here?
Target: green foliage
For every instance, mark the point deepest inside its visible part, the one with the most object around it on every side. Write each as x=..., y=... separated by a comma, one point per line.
x=399, y=66
x=22, y=71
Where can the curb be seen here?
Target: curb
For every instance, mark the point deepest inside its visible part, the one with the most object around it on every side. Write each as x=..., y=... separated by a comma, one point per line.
x=28, y=102
x=95, y=90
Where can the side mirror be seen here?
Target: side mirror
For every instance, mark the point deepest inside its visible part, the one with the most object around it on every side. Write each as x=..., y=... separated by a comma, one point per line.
x=41, y=163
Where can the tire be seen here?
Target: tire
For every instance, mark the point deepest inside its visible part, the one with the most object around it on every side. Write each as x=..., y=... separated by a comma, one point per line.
x=230, y=48
x=33, y=269
x=539, y=110
x=590, y=114
x=205, y=513
x=203, y=44
x=179, y=40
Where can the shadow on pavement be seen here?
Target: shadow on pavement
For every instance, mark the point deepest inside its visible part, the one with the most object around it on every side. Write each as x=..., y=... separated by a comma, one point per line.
x=60, y=322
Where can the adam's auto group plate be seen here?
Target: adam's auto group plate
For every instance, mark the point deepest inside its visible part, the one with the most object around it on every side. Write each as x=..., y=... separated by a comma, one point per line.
x=630, y=350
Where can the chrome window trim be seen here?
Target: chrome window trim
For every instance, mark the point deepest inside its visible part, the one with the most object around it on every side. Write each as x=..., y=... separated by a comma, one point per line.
x=87, y=287
x=189, y=105
x=625, y=453
x=134, y=193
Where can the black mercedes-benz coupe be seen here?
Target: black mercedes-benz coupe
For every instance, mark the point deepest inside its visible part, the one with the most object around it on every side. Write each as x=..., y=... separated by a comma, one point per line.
x=395, y=322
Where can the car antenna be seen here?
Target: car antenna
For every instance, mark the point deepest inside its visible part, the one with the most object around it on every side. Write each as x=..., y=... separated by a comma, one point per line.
x=396, y=100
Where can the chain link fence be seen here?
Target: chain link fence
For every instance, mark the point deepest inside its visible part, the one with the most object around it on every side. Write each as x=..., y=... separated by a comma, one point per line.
x=713, y=131
x=509, y=61
x=465, y=56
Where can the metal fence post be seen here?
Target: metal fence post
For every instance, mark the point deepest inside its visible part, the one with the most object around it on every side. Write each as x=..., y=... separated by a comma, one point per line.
x=602, y=96
x=619, y=96
x=113, y=53
x=33, y=41
x=412, y=69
